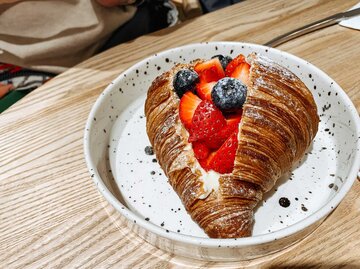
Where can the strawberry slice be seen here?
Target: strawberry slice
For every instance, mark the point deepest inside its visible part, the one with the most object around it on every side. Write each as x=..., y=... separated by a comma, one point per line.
x=234, y=118
x=216, y=140
x=200, y=149
x=233, y=64
x=205, y=163
x=188, y=104
x=207, y=120
x=223, y=159
x=203, y=90
x=242, y=72
x=210, y=70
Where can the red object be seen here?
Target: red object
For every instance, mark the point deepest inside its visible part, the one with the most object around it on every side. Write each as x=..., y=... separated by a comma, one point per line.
x=188, y=104
x=216, y=140
x=234, y=118
x=203, y=90
x=233, y=64
x=210, y=70
x=207, y=120
x=213, y=135
x=242, y=72
x=205, y=164
x=222, y=160
x=200, y=149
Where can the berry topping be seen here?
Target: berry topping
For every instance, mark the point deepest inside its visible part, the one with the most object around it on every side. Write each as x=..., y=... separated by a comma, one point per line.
x=216, y=140
x=188, y=104
x=229, y=94
x=207, y=120
x=205, y=163
x=203, y=90
x=185, y=80
x=234, y=119
x=224, y=60
x=222, y=160
x=233, y=64
x=211, y=101
x=210, y=70
x=242, y=72
x=200, y=149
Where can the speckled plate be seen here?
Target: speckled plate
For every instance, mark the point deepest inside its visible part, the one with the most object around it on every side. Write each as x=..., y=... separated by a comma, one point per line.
x=130, y=178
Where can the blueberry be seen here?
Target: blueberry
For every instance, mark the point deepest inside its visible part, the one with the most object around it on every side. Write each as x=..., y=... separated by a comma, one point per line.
x=224, y=60
x=229, y=94
x=184, y=81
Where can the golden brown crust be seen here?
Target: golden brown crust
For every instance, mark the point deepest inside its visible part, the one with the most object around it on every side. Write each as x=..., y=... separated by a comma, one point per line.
x=278, y=124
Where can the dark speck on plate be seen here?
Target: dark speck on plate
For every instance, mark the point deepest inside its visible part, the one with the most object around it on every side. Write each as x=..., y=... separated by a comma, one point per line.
x=149, y=150
x=284, y=202
x=147, y=219
x=303, y=208
x=152, y=173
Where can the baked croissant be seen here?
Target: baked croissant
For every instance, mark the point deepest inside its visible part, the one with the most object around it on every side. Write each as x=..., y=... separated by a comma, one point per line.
x=278, y=122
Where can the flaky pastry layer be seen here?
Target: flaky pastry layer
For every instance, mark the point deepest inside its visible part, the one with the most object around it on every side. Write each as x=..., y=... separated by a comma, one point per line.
x=278, y=124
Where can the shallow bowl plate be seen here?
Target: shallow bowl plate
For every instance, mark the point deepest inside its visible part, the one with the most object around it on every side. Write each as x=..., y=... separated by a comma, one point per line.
x=133, y=182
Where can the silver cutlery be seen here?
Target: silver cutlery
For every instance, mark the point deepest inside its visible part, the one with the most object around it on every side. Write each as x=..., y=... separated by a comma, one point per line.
x=328, y=21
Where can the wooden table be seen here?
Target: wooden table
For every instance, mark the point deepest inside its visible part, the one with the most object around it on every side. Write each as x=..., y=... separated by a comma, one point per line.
x=51, y=214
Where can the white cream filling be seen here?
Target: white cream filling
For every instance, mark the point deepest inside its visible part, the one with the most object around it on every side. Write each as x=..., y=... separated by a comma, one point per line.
x=210, y=182
x=209, y=179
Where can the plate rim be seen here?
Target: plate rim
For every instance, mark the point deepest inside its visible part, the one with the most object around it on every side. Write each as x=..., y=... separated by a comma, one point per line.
x=224, y=242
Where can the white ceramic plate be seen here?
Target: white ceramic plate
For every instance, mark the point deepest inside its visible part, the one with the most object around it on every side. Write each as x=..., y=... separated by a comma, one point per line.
x=133, y=182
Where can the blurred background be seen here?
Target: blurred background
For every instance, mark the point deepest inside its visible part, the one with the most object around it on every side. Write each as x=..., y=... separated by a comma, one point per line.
x=40, y=39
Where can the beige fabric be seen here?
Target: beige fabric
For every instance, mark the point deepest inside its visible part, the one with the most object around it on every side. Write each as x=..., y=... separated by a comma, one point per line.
x=55, y=35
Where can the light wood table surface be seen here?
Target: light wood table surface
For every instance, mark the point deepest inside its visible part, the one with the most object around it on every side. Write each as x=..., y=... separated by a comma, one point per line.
x=51, y=214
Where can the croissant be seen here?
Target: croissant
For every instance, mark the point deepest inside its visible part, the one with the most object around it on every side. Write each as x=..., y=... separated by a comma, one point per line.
x=279, y=121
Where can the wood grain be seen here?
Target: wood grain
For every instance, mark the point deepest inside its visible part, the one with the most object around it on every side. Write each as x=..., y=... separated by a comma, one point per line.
x=51, y=215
